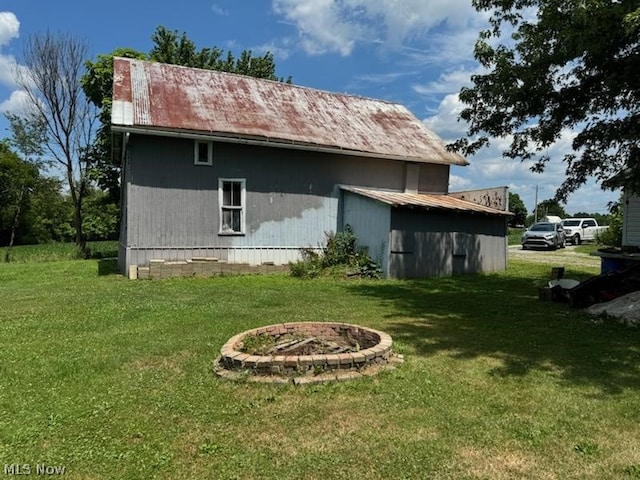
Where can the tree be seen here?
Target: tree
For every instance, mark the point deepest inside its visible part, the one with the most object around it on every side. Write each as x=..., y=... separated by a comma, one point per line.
x=52, y=81
x=16, y=180
x=612, y=236
x=551, y=207
x=516, y=206
x=28, y=138
x=554, y=66
x=177, y=49
x=169, y=47
x=602, y=219
x=97, y=84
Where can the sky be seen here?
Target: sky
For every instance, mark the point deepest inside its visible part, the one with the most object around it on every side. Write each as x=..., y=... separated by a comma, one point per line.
x=414, y=52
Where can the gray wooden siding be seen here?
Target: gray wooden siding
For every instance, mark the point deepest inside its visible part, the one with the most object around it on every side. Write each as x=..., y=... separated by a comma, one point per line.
x=371, y=222
x=631, y=225
x=292, y=197
x=433, y=178
x=424, y=244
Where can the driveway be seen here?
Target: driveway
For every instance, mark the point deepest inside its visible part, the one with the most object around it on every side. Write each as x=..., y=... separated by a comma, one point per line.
x=563, y=257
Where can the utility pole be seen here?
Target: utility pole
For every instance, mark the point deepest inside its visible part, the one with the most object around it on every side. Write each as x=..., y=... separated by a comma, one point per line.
x=535, y=215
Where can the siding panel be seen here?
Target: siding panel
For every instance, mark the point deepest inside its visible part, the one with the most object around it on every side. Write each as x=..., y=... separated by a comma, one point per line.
x=631, y=225
x=371, y=222
x=290, y=201
x=441, y=243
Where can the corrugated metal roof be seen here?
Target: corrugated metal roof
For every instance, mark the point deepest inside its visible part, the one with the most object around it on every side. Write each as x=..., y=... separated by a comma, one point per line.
x=424, y=200
x=168, y=98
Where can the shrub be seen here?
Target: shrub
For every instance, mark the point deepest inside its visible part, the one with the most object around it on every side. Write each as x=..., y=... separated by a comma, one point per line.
x=612, y=236
x=340, y=250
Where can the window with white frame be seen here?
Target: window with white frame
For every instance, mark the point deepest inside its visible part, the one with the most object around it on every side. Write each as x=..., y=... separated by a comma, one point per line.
x=232, y=199
x=202, y=153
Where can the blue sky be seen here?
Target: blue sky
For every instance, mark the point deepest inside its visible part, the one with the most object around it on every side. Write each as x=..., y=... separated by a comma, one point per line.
x=414, y=52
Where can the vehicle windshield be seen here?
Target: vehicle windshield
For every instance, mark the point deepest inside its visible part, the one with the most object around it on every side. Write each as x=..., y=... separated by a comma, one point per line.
x=571, y=223
x=543, y=227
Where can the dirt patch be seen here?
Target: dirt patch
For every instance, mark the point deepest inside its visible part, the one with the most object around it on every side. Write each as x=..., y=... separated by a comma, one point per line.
x=506, y=464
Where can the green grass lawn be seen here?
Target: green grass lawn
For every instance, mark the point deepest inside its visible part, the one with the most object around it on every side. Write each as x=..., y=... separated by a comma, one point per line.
x=515, y=235
x=111, y=378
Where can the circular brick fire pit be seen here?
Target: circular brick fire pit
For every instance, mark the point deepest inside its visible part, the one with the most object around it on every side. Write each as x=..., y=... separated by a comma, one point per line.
x=305, y=352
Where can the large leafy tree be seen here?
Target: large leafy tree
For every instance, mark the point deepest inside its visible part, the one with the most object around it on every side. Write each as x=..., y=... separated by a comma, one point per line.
x=551, y=207
x=17, y=178
x=516, y=206
x=553, y=67
x=169, y=47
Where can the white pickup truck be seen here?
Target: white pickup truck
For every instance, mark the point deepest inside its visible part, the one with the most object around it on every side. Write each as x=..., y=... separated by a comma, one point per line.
x=578, y=229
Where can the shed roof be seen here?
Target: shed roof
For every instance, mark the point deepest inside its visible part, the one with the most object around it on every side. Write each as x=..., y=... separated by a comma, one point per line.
x=425, y=201
x=157, y=98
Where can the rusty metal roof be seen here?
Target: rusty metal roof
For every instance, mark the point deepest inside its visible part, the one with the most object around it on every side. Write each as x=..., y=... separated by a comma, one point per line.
x=157, y=98
x=424, y=200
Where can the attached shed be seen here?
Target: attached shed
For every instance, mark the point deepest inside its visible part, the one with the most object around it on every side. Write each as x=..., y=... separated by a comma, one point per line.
x=423, y=235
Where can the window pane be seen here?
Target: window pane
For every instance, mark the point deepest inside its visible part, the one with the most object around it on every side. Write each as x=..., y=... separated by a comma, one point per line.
x=236, y=194
x=236, y=220
x=226, y=193
x=231, y=221
x=203, y=152
x=226, y=221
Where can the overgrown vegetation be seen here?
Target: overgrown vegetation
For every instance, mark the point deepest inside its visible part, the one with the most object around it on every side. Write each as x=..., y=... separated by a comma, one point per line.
x=56, y=252
x=612, y=236
x=340, y=254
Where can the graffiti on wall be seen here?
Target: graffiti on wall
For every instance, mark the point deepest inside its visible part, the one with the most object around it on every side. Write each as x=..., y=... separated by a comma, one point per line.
x=497, y=198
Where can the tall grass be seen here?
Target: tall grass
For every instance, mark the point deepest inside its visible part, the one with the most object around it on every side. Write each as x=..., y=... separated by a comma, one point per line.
x=53, y=252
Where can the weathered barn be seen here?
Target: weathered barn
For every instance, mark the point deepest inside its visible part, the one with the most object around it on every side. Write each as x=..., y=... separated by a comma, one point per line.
x=251, y=170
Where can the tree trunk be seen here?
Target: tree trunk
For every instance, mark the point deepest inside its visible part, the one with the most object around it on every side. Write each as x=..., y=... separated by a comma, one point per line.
x=14, y=226
x=76, y=198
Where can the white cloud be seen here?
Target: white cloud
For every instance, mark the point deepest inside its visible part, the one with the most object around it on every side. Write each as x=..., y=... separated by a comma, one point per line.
x=17, y=103
x=404, y=19
x=8, y=67
x=321, y=25
x=457, y=183
x=9, y=27
x=281, y=53
x=445, y=122
x=218, y=10
x=449, y=81
x=327, y=26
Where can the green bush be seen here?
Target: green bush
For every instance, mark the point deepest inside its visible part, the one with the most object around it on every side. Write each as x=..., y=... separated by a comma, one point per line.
x=612, y=236
x=340, y=251
x=341, y=247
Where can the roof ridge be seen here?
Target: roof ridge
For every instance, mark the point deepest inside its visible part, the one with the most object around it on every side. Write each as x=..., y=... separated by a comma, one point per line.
x=261, y=79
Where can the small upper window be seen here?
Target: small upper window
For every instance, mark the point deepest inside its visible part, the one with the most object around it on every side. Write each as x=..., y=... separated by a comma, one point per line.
x=203, y=153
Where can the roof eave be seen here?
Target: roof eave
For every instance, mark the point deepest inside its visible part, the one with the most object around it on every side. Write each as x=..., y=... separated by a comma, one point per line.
x=277, y=143
x=473, y=208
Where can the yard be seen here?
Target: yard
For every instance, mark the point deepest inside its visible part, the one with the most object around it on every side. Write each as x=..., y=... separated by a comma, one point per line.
x=110, y=378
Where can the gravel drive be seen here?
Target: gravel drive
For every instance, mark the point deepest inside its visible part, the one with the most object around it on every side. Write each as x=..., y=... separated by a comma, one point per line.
x=564, y=257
